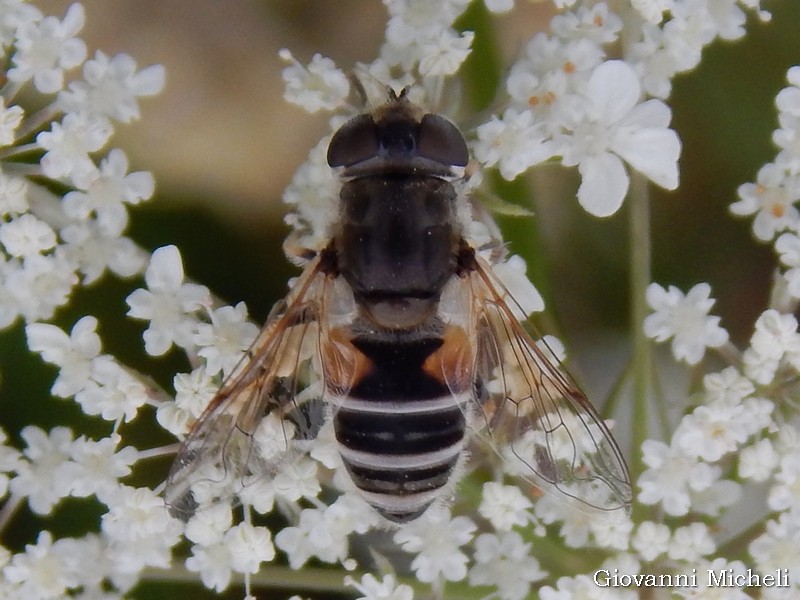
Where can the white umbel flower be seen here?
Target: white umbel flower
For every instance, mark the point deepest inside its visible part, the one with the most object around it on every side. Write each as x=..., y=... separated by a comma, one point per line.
x=46, y=48
x=616, y=128
x=436, y=539
x=167, y=303
x=319, y=86
x=685, y=320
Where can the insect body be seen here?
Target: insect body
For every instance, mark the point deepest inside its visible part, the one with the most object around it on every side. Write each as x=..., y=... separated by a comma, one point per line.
x=417, y=341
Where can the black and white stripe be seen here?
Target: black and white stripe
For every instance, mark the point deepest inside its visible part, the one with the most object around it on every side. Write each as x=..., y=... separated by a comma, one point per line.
x=400, y=431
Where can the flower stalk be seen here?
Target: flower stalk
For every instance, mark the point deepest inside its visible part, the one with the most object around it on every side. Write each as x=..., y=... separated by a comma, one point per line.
x=642, y=359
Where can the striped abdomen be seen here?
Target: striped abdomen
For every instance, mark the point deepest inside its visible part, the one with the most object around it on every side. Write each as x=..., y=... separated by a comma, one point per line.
x=400, y=430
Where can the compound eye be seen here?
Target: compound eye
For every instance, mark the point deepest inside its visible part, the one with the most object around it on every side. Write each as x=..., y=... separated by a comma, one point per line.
x=438, y=139
x=355, y=141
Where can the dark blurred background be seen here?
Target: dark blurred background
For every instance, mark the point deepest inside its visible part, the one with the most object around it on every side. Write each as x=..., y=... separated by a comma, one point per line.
x=223, y=144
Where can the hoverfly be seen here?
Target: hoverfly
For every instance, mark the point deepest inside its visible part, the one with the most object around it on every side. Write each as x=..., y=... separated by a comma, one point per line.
x=416, y=341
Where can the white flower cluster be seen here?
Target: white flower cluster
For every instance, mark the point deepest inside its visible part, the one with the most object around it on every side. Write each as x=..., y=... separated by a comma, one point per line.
x=64, y=197
x=743, y=428
x=772, y=360
x=772, y=199
x=51, y=244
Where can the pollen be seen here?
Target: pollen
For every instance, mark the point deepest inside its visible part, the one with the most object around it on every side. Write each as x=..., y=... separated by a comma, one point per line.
x=549, y=98
x=778, y=210
x=569, y=67
x=534, y=100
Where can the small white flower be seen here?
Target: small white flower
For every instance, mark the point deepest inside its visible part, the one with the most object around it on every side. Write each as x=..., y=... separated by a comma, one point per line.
x=224, y=341
x=69, y=143
x=104, y=192
x=594, y=22
x=727, y=386
x=613, y=531
x=320, y=86
x=46, y=48
x=297, y=479
x=651, y=540
x=775, y=340
x=249, y=547
x=514, y=143
x=576, y=525
x=213, y=564
x=111, y=87
x=672, y=477
x=505, y=506
x=43, y=570
x=414, y=22
x=436, y=538
x=209, y=524
x=324, y=533
x=168, y=303
x=41, y=285
x=710, y=432
x=97, y=466
x=26, y=236
x=15, y=14
x=241, y=548
x=550, y=79
x=771, y=199
x=94, y=252
x=38, y=474
x=113, y=393
x=685, y=319
x=386, y=589
x=445, y=54
x=616, y=128
x=691, y=542
x=73, y=353
x=504, y=562
x=193, y=392
x=258, y=495
x=139, y=528
x=272, y=436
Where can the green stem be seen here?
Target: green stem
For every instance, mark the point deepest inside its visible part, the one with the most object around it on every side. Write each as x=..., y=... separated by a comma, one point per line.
x=617, y=392
x=269, y=576
x=313, y=579
x=639, y=207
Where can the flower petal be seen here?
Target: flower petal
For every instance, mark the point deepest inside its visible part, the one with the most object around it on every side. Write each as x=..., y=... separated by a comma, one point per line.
x=652, y=152
x=604, y=184
x=614, y=90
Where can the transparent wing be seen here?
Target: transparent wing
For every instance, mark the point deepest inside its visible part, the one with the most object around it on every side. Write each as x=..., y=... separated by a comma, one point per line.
x=536, y=416
x=246, y=430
